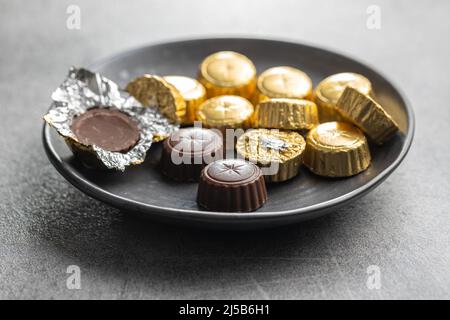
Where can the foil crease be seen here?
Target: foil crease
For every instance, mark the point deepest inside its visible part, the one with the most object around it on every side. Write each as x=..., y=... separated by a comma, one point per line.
x=286, y=113
x=278, y=153
x=336, y=149
x=83, y=89
x=273, y=143
x=367, y=114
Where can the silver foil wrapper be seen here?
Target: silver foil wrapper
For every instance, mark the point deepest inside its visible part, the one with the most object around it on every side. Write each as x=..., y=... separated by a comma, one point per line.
x=273, y=143
x=82, y=90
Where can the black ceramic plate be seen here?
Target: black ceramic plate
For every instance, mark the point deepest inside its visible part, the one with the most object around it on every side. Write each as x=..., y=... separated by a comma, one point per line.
x=144, y=190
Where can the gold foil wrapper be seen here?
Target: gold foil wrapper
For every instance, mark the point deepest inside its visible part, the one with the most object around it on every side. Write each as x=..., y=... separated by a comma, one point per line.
x=225, y=112
x=152, y=90
x=285, y=113
x=367, y=114
x=268, y=147
x=329, y=90
x=228, y=73
x=193, y=92
x=283, y=82
x=336, y=149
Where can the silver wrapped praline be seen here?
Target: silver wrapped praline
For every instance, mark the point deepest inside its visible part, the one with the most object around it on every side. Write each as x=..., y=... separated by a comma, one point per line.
x=82, y=90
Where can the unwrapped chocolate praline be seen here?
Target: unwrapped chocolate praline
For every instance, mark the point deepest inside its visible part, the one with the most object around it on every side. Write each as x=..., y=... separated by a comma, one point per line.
x=108, y=129
x=187, y=151
x=103, y=125
x=231, y=185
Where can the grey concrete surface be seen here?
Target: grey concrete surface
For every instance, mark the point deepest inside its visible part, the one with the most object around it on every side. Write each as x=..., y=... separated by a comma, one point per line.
x=403, y=227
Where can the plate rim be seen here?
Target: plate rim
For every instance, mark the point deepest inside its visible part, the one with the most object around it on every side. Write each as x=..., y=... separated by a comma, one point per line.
x=114, y=200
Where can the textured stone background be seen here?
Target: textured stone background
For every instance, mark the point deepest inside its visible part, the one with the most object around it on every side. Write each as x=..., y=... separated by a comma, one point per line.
x=46, y=224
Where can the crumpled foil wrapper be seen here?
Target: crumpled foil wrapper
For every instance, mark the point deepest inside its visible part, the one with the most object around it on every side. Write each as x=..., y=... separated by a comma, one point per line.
x=273, y=143
x=82, y=90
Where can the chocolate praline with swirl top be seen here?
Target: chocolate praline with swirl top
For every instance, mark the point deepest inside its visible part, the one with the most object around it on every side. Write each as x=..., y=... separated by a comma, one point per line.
x=232, y=185
x=187, y=151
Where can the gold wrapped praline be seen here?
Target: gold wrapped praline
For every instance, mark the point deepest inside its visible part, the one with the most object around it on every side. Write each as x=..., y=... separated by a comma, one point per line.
x=336, y=149
x=367, y=114
x=228, y=73
x=154, y=90
x=329, y=90
x=224, y=112
x=267, y=147
x=193, y=92
x=283, y=82
x=285, y=113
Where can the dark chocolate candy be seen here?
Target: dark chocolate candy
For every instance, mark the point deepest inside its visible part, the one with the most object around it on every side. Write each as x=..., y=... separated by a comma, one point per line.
x=232, y=185
x=187, y=151
x=109, y=129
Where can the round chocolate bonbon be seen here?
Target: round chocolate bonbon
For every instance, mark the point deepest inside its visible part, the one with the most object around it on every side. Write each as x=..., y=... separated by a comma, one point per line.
x=232, y=185
x=187, y=151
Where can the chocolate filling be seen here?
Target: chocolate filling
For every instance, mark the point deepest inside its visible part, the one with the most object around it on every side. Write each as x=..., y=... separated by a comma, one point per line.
x=108, y=129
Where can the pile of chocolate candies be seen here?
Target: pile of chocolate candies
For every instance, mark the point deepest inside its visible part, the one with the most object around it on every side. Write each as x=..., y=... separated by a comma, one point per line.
x=276, y=109
x=277, y=123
